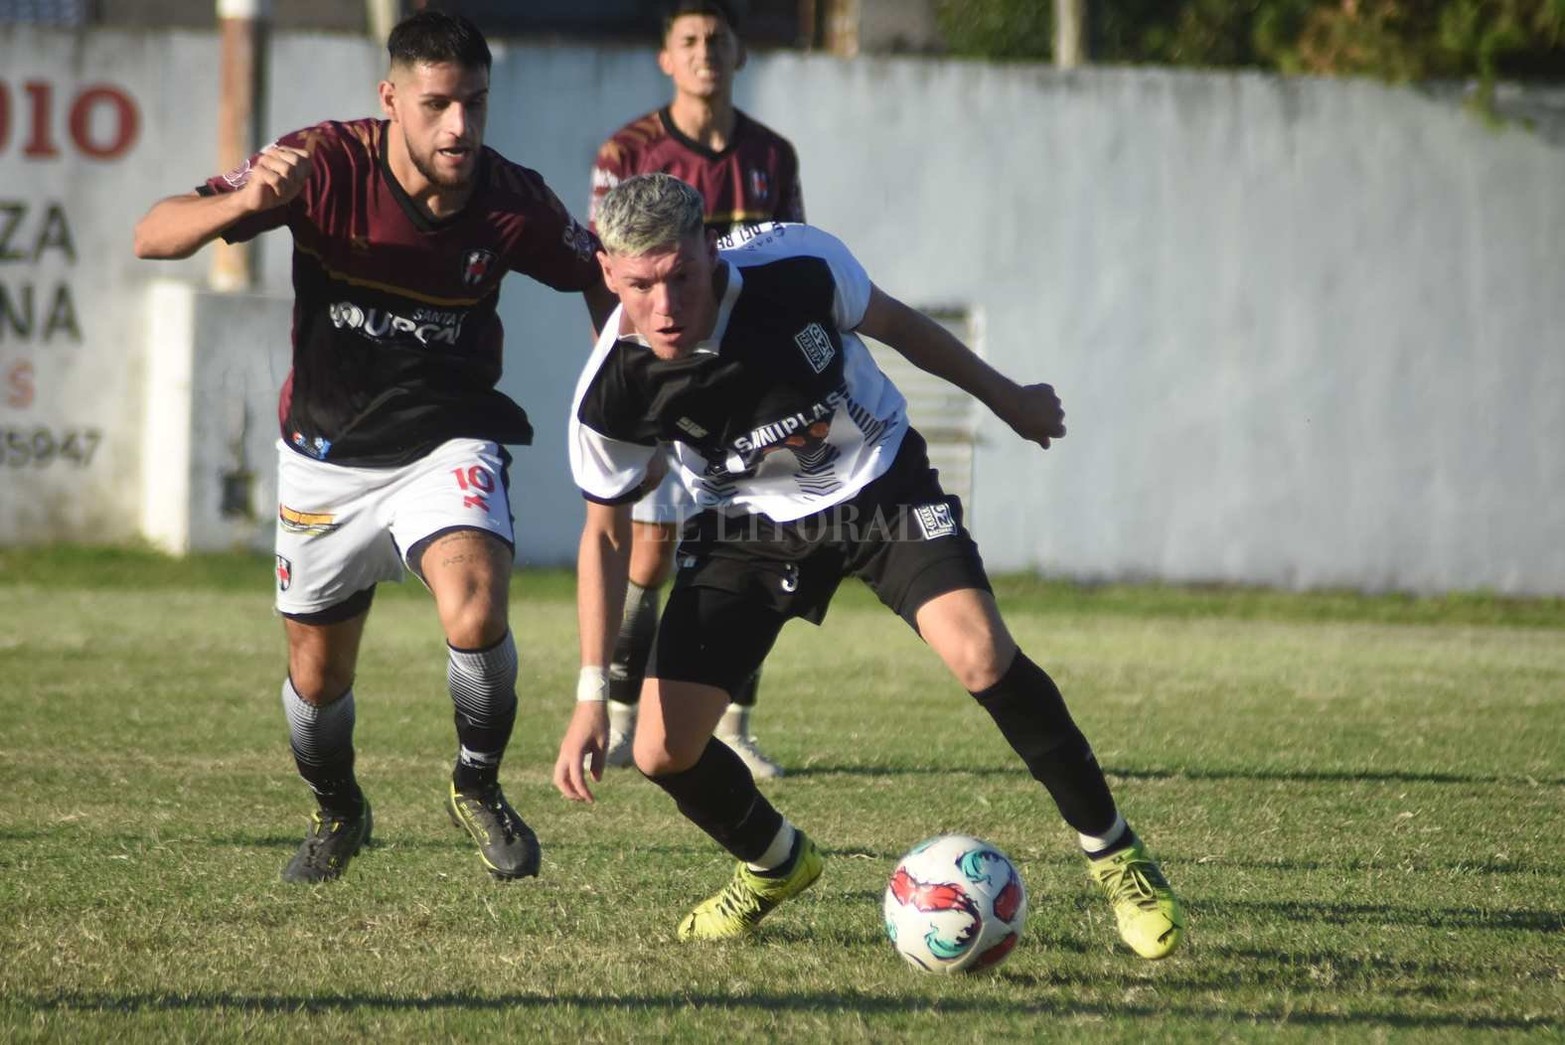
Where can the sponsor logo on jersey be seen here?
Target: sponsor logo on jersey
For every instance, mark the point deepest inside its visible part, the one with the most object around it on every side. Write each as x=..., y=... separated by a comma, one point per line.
x=309, y=524
x=816, y=346
x=475, y=266
x=315, y=448
x=805, y=434
x=760, y=185
x=935, y=520
x=284, y=573
x=749, y=235
x=690, y=428
x=427, y=326
x=815, y=421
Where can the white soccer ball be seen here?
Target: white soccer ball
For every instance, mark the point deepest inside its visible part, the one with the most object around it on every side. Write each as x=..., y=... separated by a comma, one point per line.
x=955, y=904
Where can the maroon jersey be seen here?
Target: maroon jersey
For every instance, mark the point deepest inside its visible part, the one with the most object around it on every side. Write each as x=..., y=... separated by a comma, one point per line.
x=396, y=341
x=755, y=179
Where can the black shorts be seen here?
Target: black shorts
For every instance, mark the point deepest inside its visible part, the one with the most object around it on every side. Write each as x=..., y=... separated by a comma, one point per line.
x=740, y=577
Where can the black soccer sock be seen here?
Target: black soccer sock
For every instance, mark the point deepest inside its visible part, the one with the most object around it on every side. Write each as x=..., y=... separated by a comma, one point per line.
x=483, y=689
x=744, y=693
x=719, y=796
x=633, y=645
x=321, y=739
x=1031, y=714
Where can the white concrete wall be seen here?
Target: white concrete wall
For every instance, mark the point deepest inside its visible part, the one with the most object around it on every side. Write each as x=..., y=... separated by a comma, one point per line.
x=81, y=381
x=1308, y=333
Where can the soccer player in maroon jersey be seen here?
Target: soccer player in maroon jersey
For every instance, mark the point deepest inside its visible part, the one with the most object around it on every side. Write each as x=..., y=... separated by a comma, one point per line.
x=747, y=174
x=393, y=434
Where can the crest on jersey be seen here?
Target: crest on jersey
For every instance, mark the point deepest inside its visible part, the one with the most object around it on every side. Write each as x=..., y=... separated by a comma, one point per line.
x=812, y=340
x=475, y=266
x=760, y=185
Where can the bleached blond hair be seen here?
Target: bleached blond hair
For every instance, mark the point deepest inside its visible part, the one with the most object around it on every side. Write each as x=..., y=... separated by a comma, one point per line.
x=649, y=211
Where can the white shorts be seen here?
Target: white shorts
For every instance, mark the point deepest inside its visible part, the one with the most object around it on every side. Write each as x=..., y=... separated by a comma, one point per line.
x=342, y=529
x=668, y=502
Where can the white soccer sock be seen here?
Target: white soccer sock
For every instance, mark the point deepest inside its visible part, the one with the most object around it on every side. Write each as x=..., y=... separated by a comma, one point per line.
x=1098, y=843
x=778, y=852
x=622, y=717
x=734, y=723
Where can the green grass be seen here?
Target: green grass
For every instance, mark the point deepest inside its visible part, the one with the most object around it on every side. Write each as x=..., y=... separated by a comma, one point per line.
x=1360, y=800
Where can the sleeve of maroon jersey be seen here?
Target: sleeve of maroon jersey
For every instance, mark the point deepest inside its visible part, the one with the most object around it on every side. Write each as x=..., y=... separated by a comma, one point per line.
x=309, y=140
x=608, y=170
x=542, y=239
x=790, y=204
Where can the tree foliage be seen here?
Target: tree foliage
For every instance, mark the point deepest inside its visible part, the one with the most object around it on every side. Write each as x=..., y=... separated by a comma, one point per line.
x=1391, y=39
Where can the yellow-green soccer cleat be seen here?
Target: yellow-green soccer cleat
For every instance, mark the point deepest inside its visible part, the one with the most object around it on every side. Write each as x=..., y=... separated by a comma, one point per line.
x=749, y=897
x=1150, y=918
x=506, y=845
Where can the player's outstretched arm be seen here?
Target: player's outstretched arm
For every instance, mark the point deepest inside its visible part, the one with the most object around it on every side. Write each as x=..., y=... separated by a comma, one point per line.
x=1034, y=411
x=602, y=564
x=178, y=226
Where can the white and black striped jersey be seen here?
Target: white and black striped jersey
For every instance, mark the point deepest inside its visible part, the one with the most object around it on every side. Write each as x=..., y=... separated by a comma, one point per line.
x=781, y=411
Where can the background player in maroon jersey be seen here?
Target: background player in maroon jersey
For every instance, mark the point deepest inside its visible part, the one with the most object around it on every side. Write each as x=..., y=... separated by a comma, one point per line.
x=747, y=174
x=392, y=451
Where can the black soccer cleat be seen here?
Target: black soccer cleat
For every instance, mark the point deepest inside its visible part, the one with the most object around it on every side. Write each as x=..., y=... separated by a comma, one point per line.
x=332, y=841
x=506, y=845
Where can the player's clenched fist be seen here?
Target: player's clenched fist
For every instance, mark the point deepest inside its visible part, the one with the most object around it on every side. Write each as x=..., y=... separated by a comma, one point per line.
x=1035, y=412
x=276, y=177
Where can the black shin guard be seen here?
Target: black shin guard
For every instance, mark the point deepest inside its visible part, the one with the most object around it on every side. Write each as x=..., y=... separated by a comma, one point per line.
x=1031, y=714
x=719, y=796
x=633, y=645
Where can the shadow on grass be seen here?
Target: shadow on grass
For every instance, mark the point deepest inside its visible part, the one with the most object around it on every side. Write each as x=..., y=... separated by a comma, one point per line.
x=1285, y=775
x=1445, y=918
x=812, y=1004
x=1064, y=861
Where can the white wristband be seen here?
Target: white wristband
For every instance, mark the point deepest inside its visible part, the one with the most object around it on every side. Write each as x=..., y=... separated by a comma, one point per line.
x=592, y=686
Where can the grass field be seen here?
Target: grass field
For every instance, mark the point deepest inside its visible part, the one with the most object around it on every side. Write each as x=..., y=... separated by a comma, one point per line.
x=1360, y=800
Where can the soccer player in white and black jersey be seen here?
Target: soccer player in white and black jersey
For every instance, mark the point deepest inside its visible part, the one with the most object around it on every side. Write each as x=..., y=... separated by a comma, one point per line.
x=748, y=174
x=748, y=362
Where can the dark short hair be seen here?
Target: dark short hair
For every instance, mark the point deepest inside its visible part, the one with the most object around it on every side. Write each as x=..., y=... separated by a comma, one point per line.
x=436, y=37
x=716, y=8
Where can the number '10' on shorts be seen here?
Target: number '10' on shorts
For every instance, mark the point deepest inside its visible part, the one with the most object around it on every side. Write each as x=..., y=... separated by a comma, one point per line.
x=343, y=529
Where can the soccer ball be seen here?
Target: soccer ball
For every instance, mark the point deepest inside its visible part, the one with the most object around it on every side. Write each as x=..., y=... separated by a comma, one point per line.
x=955, y=904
